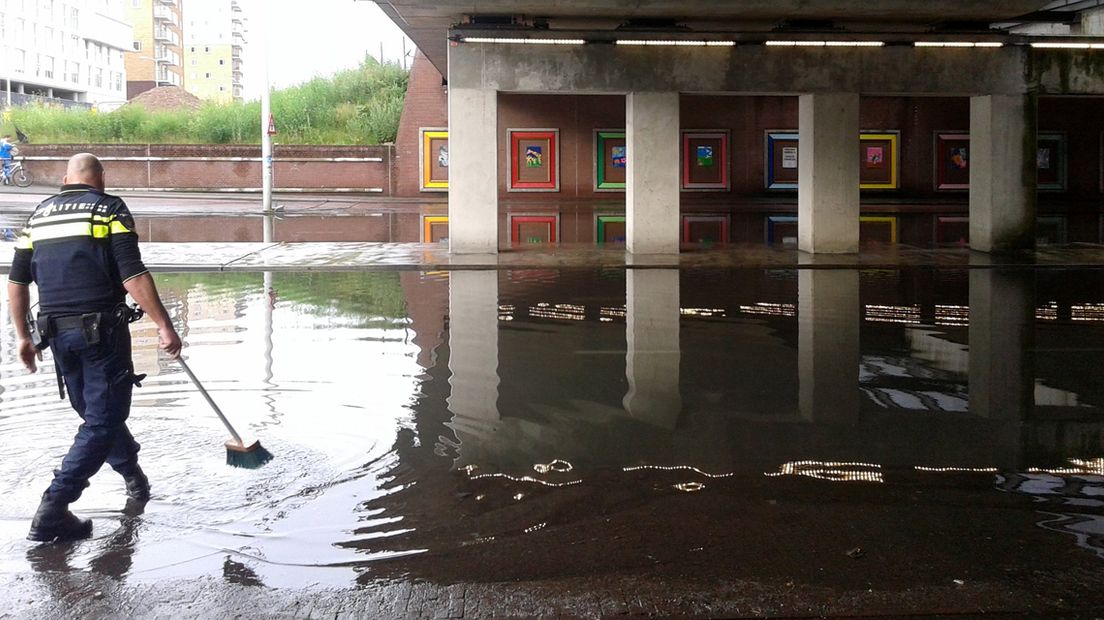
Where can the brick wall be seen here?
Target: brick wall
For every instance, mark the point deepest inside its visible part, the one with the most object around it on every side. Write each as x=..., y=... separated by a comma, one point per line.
x=193, y=166
x=426, y=105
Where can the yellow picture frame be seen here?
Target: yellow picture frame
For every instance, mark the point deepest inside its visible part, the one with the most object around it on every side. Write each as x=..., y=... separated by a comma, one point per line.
x=895, y=158
x=425, y=163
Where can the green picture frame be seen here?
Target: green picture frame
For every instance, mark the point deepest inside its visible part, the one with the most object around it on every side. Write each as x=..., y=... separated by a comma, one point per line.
x=606, y=145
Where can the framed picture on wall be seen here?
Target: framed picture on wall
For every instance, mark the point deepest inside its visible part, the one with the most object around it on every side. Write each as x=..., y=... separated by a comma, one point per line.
x=1051, y=230
x=781, y=159
x=879, y=159
x=434, y=228
x=533, y=229
x=952, y=230
x=609, y=228
x=705, y=160
x=433, y=159
x=952, y=160
x=534, y=160
x=1050, y=160
x=610, y=160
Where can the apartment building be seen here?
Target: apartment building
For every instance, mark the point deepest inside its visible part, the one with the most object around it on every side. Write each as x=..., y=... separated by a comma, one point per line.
x=63, y=51
x=156, y=53
x=214, y=36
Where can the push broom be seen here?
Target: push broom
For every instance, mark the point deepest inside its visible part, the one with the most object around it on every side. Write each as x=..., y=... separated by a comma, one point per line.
x=237, y=453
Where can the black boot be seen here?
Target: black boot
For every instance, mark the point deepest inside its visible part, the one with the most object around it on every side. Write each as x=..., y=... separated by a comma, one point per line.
x=137, y=485
x=53, y=521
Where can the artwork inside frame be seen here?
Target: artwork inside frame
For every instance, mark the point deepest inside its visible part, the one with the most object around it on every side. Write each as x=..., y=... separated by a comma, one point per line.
x=705, y=160
x=609, y=228
x=433, y=160
x=1051, y=162
x=434, y=228
x=610, y=160
x=780, y=161
x=533, y=157
x=952, y=160
x=533, y=229
x=879, y=160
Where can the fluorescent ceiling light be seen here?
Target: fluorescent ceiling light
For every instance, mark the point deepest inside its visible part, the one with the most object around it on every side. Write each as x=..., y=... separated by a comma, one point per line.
x=825, y=43
x=958, y=44
x=1069, y=46
x=676, y=43
x=525, y=41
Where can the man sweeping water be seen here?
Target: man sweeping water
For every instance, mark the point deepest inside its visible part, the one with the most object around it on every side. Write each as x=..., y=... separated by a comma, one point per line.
x=81, y=249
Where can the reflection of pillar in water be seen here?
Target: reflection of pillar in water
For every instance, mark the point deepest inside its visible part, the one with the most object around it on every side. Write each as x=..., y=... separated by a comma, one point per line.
x=1002, y=324
x=828, y=318
x=473, y=352
x=652, y=336
x=269, y=301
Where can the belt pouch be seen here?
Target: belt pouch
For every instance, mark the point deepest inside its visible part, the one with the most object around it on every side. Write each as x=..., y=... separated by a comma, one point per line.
x=90, y=327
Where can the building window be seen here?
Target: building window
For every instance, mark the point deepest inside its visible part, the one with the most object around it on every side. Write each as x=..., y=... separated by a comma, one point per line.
x=193, y=48
x=194, y=62
x=137, y=46
x=206, y=49
x=136, y=3
x=222, y=62
x=206, y=75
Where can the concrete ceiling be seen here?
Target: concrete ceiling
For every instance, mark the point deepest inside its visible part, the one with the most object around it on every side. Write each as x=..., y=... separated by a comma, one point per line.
x=427, y=21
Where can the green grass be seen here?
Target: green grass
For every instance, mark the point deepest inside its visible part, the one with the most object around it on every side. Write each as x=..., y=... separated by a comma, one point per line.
x=356, y=106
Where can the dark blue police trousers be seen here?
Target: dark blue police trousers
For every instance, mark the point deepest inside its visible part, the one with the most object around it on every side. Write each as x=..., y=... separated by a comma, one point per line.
x=99, y=378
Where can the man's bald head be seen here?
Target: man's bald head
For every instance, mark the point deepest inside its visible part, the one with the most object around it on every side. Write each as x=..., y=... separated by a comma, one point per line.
x=85, y=168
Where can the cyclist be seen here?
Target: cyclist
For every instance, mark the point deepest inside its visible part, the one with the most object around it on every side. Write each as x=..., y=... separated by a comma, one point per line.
x=7, y=152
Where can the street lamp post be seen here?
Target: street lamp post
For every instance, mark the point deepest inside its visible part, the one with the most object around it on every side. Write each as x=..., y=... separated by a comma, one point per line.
x=266, y=138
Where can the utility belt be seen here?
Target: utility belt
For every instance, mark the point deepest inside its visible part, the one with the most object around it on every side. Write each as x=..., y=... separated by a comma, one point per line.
x=93, y=327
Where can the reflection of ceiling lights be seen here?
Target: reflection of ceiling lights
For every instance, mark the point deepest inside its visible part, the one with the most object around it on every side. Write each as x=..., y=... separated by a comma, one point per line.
x=1091, y=313
x=968, y=470
x=831, y=471
x=1079, y=466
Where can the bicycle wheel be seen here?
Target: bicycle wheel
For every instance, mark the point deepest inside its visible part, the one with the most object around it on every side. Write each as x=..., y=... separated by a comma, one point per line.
x=23, y=178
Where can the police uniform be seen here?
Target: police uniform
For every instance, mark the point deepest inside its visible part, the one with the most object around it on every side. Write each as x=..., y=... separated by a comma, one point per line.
x=79, y=247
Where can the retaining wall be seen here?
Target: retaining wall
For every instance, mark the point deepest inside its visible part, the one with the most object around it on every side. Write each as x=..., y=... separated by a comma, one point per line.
x=231, y=168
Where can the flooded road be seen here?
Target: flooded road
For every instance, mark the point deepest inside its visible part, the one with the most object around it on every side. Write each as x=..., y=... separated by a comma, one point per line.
x=929, y=438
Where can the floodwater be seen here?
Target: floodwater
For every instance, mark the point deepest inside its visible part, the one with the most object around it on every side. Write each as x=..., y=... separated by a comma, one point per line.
x=891, y=430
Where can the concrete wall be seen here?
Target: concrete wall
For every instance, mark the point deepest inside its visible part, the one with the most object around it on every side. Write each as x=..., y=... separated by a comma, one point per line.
x=756, y=69
x=189, y=166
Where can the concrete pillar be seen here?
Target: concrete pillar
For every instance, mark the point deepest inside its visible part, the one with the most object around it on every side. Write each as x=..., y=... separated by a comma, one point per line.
x=1002, y=336
x=828, y=173
x=473, y=171
x=652, y=335
x=473, y=352
x=828, y=319
x=1003, y=172
x=652, y=173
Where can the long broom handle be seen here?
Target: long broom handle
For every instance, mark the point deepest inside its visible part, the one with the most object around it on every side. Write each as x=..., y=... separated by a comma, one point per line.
x=218, y=411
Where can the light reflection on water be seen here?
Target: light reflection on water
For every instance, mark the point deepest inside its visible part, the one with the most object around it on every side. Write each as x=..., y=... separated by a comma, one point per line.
x=398, y=405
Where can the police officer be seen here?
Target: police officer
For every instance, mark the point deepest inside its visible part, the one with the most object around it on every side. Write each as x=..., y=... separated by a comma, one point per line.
x=81, y=249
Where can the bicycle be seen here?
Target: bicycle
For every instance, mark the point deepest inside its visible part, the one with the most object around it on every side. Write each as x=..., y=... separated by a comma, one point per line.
x=18, y=174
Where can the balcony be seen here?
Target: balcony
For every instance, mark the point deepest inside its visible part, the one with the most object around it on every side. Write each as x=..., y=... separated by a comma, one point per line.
x=235, y=51
x=166, y=36
x=164, y=14
x=168, y=2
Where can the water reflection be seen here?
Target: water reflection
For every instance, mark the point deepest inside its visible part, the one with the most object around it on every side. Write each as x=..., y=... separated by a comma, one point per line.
x=450, y=424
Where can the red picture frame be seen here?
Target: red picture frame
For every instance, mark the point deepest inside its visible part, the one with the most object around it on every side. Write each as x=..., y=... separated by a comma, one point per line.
x=693, y=225
x=534, y=160
x=705, y=170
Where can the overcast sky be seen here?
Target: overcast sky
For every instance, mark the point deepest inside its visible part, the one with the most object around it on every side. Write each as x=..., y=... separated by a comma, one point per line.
x=313, y=38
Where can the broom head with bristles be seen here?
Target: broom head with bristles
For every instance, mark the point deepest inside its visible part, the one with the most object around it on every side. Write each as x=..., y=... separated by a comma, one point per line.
x=248, y=456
